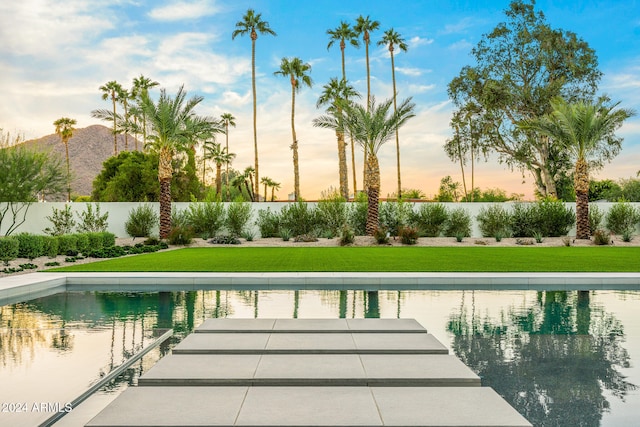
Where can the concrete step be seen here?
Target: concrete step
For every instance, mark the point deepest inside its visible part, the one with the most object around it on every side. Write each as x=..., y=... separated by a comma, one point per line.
x=311, y=370
x=309, y=406
x=226, y=325
x=310, y=343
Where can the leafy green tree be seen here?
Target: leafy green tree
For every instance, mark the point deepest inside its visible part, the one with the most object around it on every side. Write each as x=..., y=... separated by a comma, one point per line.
x=519, y=67
x=253, y=24
x=25, y=175
x=584, y=130
x=449, y=190
x=391, y=39
x=64, y=129
x=298, y=74
x=132, y=176
x=173, y=126
x=606, y=189
x=371, y=127
x=333, y=93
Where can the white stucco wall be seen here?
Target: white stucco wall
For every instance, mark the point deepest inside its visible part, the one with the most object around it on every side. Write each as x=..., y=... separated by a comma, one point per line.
x=36, y=220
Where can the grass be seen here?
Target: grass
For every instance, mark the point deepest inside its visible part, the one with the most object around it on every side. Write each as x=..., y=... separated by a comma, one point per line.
x=375, y=259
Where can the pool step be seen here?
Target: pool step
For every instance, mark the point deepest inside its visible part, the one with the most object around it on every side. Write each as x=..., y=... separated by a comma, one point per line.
x=337, y=372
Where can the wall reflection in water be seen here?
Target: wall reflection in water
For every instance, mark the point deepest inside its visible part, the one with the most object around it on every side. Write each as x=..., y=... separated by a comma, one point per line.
x=558, y=357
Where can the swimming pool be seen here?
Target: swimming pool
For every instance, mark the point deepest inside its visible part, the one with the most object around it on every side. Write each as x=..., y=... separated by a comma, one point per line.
x=558, y=357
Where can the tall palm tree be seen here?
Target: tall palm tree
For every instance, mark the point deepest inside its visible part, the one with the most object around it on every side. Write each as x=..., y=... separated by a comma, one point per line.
x=123, y=97
x=392, y=39
x=253, y=24
x=228, y=120
x=112, y=90
x=582, y=129
x=65, y=129
x=142, y=85
x=332, y=94
x=371, y=127
x=216, y=152
x=249, y=174
x=274, y=186
x=173, y=124
x=298, y=73
x=266, y=181
x=345, y=33
x=364, y=26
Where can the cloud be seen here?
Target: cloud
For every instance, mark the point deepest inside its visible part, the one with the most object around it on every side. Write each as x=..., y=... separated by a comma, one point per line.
x=461, y=45
x=419, y=41
x=183, y=10
x=459, y=27
x=412, y=72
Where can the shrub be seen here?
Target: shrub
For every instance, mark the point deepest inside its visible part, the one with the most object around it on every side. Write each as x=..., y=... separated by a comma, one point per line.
x=408, y=235
x=83, y=243
x=180, y=235
x=430, y=219
x=381, y=235
x=458, y=223
x=347, y=236
x=305, y=238
x=358, y=215
x=523, y=221
x=179, y=218
x=595, y=218
x=248, y=235
x=30, y=246
x=141, y=221
x=332, y=212
x=91, y=221
x=95, y=241
x=67, y=243
x=206, y=218
x=238, y=215
x=493, y=221
x=268, y=223
x=285, y=234
x=299, y=218
x=394, y=215
x=553, y=217
x=225, y=240
x=107, y=252
x=108, y=239
x=627, y=236
x=622, y=217
x=9, y=247
x=50, y=248
x=62, y=220
x=601, y=237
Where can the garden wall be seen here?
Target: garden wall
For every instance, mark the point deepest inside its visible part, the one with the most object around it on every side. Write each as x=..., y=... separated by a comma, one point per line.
x=36, y=219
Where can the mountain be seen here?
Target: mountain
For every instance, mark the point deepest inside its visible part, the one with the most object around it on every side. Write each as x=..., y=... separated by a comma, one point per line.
x=88, y=149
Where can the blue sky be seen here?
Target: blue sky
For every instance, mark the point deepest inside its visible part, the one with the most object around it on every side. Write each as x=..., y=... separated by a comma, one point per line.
x=55, y=54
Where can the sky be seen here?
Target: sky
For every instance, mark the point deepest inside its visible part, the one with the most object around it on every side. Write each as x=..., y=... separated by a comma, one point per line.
x=54, y=55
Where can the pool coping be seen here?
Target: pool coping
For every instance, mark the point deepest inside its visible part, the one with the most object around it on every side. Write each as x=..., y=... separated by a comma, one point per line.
x=33, y=285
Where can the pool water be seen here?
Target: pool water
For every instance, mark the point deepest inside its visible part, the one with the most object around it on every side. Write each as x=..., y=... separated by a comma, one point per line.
x=560, y=358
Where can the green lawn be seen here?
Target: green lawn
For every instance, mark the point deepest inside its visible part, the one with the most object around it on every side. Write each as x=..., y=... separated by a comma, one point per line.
x=376, y=259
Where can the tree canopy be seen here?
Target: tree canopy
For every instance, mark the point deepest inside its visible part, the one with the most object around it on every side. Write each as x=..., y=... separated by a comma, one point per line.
x=519, y=67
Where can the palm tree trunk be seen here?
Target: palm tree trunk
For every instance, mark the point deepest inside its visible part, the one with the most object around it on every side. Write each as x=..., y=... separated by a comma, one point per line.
x=581, y=184
x=464, y=180
x=265, y=191
x=395, y=110
x=294, y=145
x=342, y=166
x=126, y=131
x=273, y=196
x=372, y=170
x=66, y=148
x=115, y=135
x=219, y=180
x=165, y=171
x=353, y=153
x=353, y=167
x=226, y=125
x=254, y=36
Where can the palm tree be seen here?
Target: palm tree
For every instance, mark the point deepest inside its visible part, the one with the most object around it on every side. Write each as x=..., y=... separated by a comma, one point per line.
x=364, y=26
x=297, y=71
x=248, y=175
x=371, y=127
x=64, y=129
x=332, y=94
x=274, y=186
x=142, y=85
x=123, y=97
x=266, y=181
x=252, y=24
x=214, y=151
x=228, y=120
x=582, y=129
x=391, y=39
x=345, y=33
x=173, y=125
x=112, y=90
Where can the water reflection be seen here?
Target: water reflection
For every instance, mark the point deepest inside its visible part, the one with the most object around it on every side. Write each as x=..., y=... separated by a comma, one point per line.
x=557, y=357
x=552, y=360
